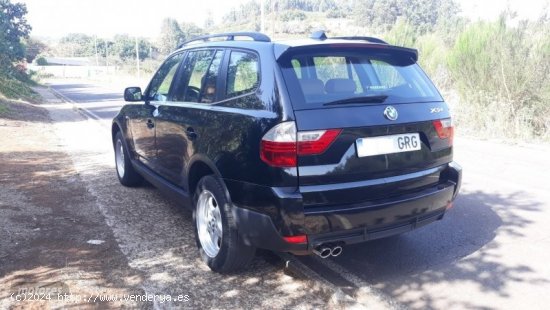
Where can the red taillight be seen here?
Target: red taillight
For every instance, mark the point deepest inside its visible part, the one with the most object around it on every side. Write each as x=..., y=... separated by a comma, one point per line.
x=282, y=144
x=316, y=142
x=278, y=146
x=278, y=154
x=444, y=129
x=296, y=239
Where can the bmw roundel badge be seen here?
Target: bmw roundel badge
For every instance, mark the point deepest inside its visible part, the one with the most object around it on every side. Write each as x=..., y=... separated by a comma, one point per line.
x=390, y=113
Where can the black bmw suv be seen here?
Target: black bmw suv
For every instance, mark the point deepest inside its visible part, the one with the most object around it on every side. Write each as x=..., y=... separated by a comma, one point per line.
x=300, y=146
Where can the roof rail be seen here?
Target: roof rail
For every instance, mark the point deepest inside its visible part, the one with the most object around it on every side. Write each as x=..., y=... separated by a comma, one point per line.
x=229, y=36
x=321, y=35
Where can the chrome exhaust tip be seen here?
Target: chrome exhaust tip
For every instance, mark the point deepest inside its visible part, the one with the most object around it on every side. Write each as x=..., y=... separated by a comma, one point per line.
x=336, y=251
x=322, y=252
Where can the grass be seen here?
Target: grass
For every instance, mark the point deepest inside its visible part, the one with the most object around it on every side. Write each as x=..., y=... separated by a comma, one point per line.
x=12, y=90
x=18, y=90
x=3, y=107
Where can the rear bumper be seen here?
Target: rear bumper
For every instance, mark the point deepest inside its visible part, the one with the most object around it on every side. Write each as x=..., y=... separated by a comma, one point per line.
x=342, y=224
x=363, y=234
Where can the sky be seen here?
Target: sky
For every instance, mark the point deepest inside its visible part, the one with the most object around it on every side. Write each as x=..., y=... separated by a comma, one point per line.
x=491, y=9
x=105, y=18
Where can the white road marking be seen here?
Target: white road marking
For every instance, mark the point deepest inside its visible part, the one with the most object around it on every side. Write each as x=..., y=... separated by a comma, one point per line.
x=95, y=242
x=75, y=106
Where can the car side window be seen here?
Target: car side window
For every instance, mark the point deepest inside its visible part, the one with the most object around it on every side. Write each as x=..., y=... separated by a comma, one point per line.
x=242, y=73
x=208, y=89
x=161, y=82
x=195, y=69
x=297, y=67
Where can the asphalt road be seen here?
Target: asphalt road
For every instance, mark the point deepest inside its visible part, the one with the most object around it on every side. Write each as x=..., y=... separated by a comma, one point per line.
x=490, y=251
x=102, y=102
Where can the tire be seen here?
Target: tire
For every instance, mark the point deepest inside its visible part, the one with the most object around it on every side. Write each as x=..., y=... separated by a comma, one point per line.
x=126, y=173
x=223, y=251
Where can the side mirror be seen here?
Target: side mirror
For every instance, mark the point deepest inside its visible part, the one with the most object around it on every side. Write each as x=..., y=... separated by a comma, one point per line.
x=133, y=94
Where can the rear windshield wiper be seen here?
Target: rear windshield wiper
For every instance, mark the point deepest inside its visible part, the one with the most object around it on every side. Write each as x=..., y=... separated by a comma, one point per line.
x=364, y=99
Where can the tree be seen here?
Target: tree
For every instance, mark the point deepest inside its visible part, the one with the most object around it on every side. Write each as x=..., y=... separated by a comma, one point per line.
x=424, y=15
x=209, y=22
x=13, y=28
x=291, y=15
x=378, y=14
x=244, y=13
x=170, y=34
x=41, y=61
x=124, y=47
x=76, y=45
x=190, y=30
x=33, y=48
x=421, y=15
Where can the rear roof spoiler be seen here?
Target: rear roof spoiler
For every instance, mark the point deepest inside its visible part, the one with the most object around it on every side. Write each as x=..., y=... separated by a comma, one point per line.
x=367, y=42
x=321, y=35
x=408, y=53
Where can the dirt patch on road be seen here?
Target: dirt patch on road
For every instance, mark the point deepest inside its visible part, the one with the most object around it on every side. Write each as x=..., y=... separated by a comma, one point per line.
x=50, y=229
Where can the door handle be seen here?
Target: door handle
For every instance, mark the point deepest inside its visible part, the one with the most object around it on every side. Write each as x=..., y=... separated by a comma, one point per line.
x=150, y=123
x=191, y=134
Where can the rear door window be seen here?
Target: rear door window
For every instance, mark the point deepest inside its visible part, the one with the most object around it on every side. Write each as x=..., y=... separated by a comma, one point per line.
x=194, y=72
x=210, y=81
x=340, y=74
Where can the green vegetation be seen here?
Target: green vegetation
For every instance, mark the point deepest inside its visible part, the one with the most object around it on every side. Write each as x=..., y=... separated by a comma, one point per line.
x=172, y=34
x=502, y=74
x=495, y=75
x=292, y=15
x=3, y=107
x=119, y=49
x=14, y=82
x=13, y=28
x=12, y=88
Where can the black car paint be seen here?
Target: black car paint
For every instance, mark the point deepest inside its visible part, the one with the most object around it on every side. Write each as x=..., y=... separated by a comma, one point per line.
x=316, y=198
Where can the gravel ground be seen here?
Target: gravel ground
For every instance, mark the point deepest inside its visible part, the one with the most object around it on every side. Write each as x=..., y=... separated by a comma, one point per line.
x=47, y=217
x=64, y=217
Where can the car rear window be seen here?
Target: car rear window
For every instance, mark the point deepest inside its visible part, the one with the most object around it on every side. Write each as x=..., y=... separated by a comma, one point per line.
x=320, y=77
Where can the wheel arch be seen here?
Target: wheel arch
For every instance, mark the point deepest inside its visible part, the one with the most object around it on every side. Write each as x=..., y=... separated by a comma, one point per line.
x=198, y=167
x=115, y=128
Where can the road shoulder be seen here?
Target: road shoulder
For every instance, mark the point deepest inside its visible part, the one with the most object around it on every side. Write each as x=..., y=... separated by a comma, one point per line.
x=52, y=230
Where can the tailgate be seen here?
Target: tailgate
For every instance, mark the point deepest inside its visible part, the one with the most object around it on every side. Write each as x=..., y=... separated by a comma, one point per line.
x=340, y=176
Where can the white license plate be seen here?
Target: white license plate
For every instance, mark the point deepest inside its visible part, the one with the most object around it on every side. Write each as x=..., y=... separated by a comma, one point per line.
x=388, y=144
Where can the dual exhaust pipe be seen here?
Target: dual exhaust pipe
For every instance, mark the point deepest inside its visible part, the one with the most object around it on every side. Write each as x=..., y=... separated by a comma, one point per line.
x=325, y=251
